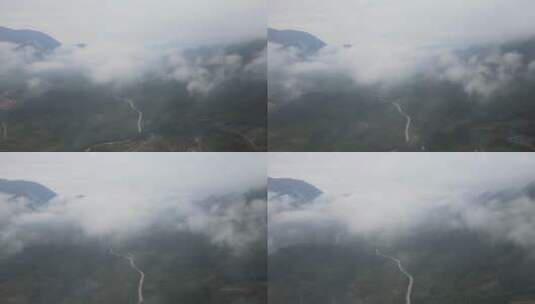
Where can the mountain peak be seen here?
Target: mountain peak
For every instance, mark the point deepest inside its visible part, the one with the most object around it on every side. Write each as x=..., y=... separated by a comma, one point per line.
x=303, y=41
x=36, y=193
x=39, y=40
x=300, y=191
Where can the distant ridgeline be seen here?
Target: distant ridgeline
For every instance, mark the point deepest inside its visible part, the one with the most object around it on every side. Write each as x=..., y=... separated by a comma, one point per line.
x=22, y=38
x=307, y=43
x=299, y=191
x=36, y=193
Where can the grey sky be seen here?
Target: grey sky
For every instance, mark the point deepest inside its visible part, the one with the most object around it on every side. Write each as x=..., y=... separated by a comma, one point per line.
x=110, y=175
x=126, y=193
x=414, y=22
x=135, y=21
x=386, y=173
x=391, y=192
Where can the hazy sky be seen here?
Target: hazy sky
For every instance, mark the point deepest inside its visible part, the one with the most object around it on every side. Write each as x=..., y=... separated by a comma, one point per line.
x=134, y=21
x=109, y=175
x=392, y=192
x=126, y=193
x=386, y=173
x=415, y=22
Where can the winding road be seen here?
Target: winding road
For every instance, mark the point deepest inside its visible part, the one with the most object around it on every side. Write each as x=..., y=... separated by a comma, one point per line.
x=130, y=257
x=408, y=275
x=139, y=114
x=408, y=124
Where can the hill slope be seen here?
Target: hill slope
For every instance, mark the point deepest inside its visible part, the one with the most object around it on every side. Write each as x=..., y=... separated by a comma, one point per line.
x=303, y=41
x=36, y=39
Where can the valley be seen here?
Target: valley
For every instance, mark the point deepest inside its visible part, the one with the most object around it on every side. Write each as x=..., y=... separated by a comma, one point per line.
x=79, y=249
x=324, y=260
x=331, y=110
x=206, y=98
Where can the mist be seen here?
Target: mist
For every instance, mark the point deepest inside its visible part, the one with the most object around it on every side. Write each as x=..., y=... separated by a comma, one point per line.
x=392, y=196
x=172, y=76
x=128, y=46
x=385, y=67
x=119, y=197
x=392, y=44
x=120, y=67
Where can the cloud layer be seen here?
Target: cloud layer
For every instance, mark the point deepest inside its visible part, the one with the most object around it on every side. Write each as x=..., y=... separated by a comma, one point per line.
x=120, y=66
x=393, y=43
x=487, y=74
x=390, y=195
x=124, y=196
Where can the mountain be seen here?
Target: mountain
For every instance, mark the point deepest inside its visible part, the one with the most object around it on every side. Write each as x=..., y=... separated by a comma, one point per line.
x=449, y=263
x=36, y=39
x=35, y=192
x=179, y=265
x=299, y=191
x=77, y=114
x=305, y=42
x=446, y=115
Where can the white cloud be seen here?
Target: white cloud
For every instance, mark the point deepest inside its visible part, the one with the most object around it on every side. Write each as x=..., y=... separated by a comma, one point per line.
x=122, y=65
x=125, y=195
x=388, y=194
x=392, y=41
x=484, y=76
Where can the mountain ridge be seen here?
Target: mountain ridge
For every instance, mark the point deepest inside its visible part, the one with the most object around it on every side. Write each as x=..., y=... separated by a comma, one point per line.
x=307, y=43
x=24, y=37
x=300, y=191
x=37, y=193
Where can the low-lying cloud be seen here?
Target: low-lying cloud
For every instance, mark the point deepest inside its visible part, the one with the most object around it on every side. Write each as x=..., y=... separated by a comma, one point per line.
x=480, y=75
x=394, y=196
x=204, y=74
x=484, y=75
x=174, y=195
x=120, y=66
x=395, y=44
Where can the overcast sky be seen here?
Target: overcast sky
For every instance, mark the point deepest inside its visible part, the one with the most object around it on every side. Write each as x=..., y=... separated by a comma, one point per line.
x=123, y=194
x=389, y=174
x=414, y=22
x=110, y=175
x=134, y=21
x=389, y=194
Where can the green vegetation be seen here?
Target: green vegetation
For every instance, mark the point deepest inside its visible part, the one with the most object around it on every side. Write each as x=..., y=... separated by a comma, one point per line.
x=455, y=266
x=76, y=114
x=336, y=114
x=179, y=268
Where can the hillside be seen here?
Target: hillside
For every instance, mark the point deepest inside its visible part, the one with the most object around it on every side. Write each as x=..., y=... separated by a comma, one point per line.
x=449, y=263
x=481, y=103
